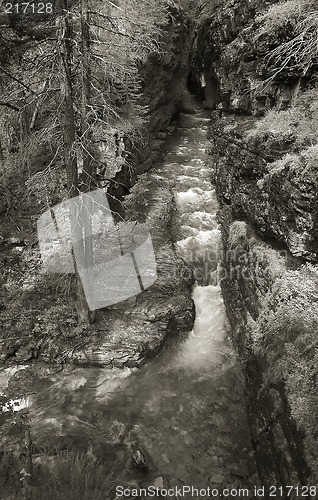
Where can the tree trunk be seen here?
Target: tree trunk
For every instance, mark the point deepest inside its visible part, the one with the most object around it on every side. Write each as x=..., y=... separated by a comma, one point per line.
x=88, y=177
x=69, y=124
x=71, y=160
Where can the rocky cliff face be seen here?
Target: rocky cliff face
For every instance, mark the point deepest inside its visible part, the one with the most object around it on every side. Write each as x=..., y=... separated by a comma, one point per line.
x=269, y=283
x=265, y=173
x=164, y=93
x=231, y=53
x=272, y=308
x=278, y=197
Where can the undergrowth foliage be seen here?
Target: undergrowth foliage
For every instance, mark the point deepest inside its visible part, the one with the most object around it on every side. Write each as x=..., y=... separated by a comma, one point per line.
x=297, y=124
x=287, y=333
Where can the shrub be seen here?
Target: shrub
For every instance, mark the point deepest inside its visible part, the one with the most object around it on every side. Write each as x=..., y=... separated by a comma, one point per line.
x=66, y=475
x=291, y=27
x=9, y=474
x=297, y=125
x=282, y=16
x=72, y=476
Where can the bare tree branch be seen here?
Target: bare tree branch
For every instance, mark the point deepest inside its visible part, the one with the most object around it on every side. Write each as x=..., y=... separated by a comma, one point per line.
x=17, y=80
x=9, y=105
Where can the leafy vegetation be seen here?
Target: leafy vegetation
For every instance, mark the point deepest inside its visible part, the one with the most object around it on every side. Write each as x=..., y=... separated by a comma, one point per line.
x=282, y=16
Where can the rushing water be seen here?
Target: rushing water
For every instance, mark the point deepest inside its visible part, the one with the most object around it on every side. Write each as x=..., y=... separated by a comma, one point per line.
x=185, y=409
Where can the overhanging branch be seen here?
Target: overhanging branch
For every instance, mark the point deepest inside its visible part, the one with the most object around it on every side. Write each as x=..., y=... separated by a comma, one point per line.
x=9, y=105
x=17, y=80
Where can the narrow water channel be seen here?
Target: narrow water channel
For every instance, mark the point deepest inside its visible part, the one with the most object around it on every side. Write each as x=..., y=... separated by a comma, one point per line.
x=183, y=411
x=191, y=413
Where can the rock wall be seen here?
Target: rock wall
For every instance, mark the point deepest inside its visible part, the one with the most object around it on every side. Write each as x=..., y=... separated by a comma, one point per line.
x=229, y=52
x=264, y=170
x=267, y=296
x=165, y=94
x=279, y=198
x=269, y=282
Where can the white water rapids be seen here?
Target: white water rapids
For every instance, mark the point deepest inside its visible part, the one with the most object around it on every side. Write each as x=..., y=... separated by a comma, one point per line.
x=198, y=241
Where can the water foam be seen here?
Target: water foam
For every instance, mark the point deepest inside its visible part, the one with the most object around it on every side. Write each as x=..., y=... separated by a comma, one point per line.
x=206, y=345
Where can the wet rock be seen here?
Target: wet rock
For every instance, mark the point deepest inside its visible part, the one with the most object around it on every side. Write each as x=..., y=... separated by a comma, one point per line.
x=242, y=470
x=14, y=242
x=158, y=482
x=157, y=144
x=216, y=478
x=139, y=460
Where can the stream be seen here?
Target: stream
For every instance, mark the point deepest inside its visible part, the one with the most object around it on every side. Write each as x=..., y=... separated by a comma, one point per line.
x=183, y=413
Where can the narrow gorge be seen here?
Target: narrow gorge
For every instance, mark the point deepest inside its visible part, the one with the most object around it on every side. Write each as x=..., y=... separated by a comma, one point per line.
x=207, y=379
